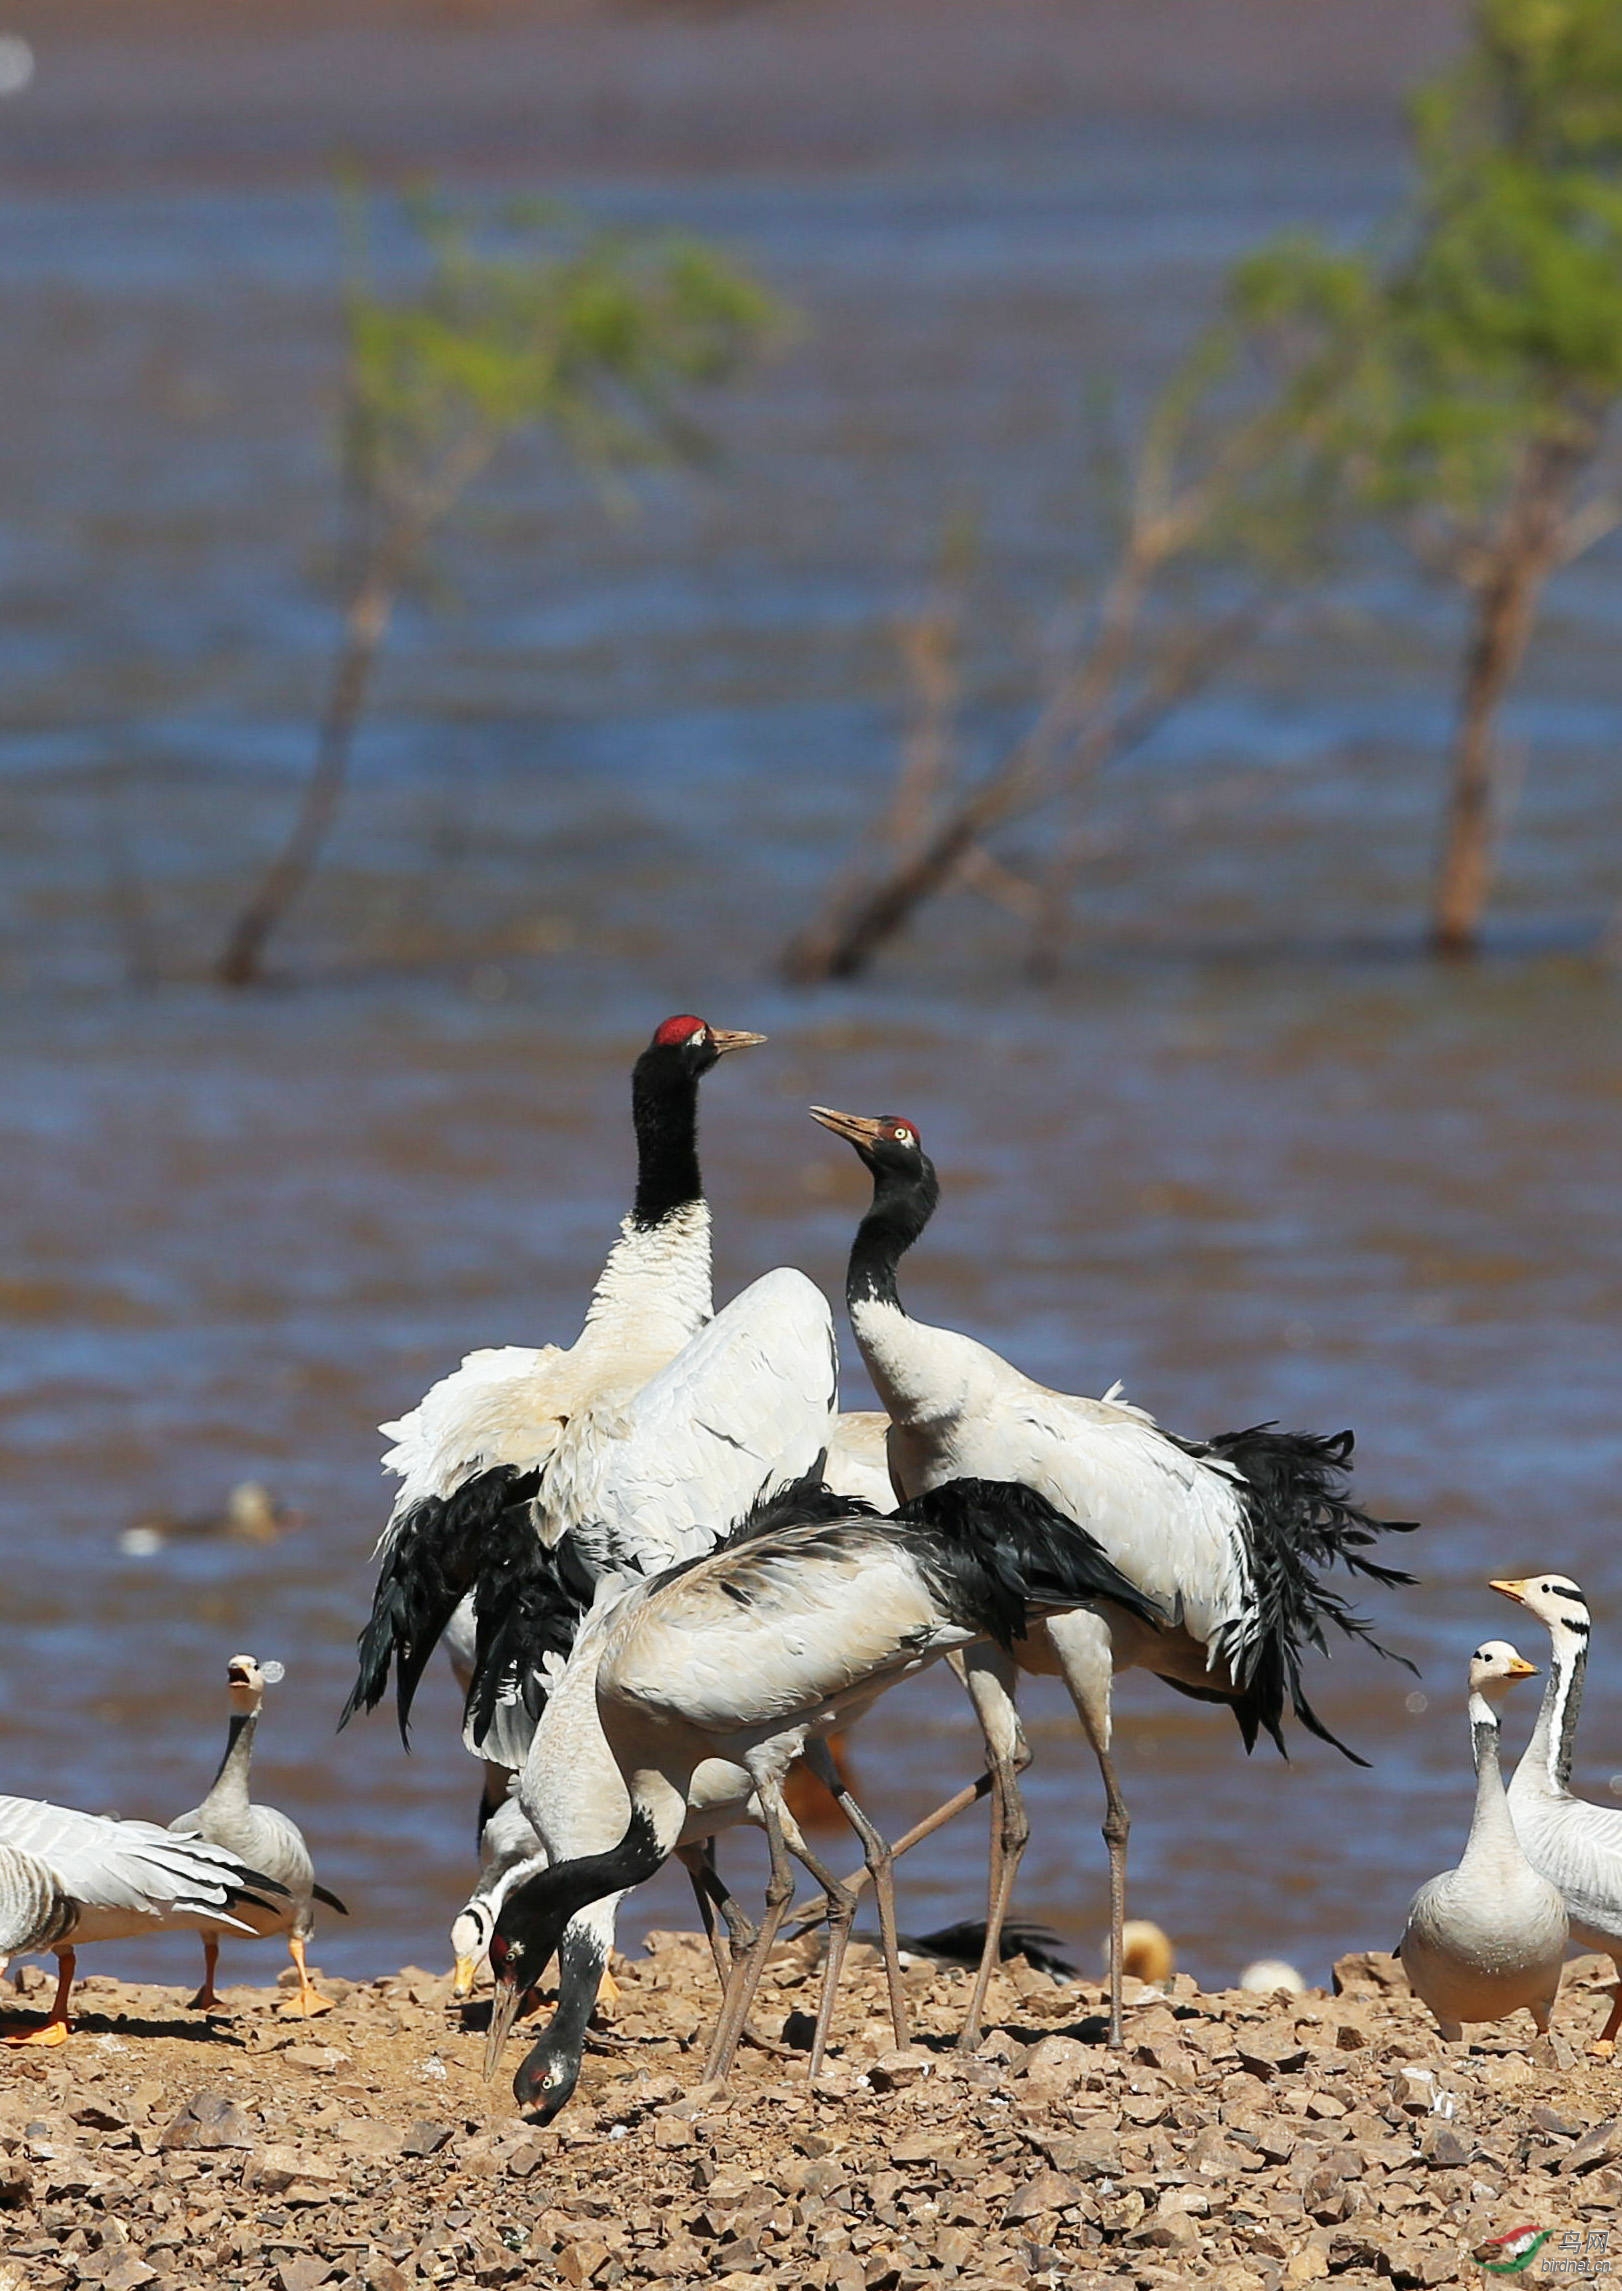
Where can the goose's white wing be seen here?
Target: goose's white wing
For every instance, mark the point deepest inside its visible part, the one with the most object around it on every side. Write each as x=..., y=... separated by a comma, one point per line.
x=122, y=1874
x=745, y=1405
x=34, y=1911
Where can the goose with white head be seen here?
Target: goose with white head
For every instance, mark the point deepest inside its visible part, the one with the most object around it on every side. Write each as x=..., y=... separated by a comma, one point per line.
x=1228, y=1539
x=1576, y=1845
x=265, y=1839
x=1487, y=1939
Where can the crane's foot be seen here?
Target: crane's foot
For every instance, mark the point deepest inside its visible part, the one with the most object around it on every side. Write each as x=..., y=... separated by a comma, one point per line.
x=208, y=2000
x=49, y=2032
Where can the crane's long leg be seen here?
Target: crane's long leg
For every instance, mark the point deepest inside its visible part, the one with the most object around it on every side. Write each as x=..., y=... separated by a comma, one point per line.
x=989, y=1676
x=841, y=1913
x=712, y=1895
x=745, y=1975
x=1085, y=1650
x=808, y=1913
x=55, y=2028
x=878, y=1858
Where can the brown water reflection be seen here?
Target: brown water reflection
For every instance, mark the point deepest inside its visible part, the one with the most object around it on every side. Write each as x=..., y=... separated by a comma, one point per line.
x=1250, y=1157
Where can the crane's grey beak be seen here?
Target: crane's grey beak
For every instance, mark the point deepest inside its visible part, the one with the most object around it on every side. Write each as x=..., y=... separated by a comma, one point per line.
x=726, y=1039
x=503, y=2012
x=856, y=1129
x=1515, y=1590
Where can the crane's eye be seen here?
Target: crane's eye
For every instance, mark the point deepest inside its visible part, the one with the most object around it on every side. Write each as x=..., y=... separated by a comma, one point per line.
x=902, y=1135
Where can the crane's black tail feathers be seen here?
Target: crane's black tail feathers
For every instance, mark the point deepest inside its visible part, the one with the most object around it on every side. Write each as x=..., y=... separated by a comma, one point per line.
x=434, y=1556
x=331, y=1899
x=1299, y=1525
x=805, y=1502
x=999, y=1550
x=529, y=1603
x=964, y=1944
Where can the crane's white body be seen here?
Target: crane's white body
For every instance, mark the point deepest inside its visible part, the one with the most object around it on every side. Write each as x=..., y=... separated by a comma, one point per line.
x=747, y=1404
x=1487, y=1938
x=1171, y=1521
x=556, y=1408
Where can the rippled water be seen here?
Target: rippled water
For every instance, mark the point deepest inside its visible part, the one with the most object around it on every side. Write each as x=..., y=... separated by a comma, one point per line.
x=1250, y=1156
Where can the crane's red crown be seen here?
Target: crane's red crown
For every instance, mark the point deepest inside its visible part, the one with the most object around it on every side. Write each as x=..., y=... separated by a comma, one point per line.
x=679, y=1029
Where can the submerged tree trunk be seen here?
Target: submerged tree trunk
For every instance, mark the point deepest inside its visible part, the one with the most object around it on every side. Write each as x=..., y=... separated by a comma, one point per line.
x=1528, y=546
x=365, y=626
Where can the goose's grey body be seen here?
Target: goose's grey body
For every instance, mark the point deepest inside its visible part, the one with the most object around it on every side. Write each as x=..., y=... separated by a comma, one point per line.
x=1487, y=1938
x=1576, y=1845
x=266, y=1839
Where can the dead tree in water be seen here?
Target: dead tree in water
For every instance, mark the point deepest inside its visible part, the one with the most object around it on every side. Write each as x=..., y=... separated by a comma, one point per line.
x=592, y=338
x=1222, y=509
x=1482, y=346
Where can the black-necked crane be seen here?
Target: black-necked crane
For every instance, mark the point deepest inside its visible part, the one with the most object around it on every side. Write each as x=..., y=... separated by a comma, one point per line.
x=636, y=1449
x=1577, y=1846
x=733, y=1665
x=1228, y=1537
x=516, y=1424
x=67, y=1879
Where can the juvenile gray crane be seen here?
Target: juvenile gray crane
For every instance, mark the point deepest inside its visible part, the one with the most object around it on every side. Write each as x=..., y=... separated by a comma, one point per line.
x=1488, y=1937
x=264, y=1838
x=1226, y=1539
x=1577, y=1846
x=68, y=1878
x=735, y=1663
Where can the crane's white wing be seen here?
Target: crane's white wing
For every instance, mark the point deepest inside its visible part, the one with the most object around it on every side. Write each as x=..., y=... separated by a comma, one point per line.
x=745, y=1405
x=1171, y=1520
x=858, y=1460
x=502, y=1407
x=129, y=1869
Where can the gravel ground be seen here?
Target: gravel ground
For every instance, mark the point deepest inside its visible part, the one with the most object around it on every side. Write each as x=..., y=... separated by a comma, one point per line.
x=1247, y=2142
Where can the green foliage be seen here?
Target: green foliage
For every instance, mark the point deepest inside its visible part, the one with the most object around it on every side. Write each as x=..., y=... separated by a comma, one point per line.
x=1489, y=322
x=539, y=322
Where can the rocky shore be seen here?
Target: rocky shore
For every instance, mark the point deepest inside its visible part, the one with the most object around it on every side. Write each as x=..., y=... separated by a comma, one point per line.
x=1253, y=2143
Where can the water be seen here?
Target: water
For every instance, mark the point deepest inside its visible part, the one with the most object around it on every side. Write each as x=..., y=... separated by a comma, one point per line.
x=1250, y=1155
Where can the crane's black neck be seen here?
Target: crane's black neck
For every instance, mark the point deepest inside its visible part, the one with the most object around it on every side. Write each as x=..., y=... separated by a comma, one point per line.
x=535, y=1913
x=551, y=2068
x=664, y=1111
x=903, y=1203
